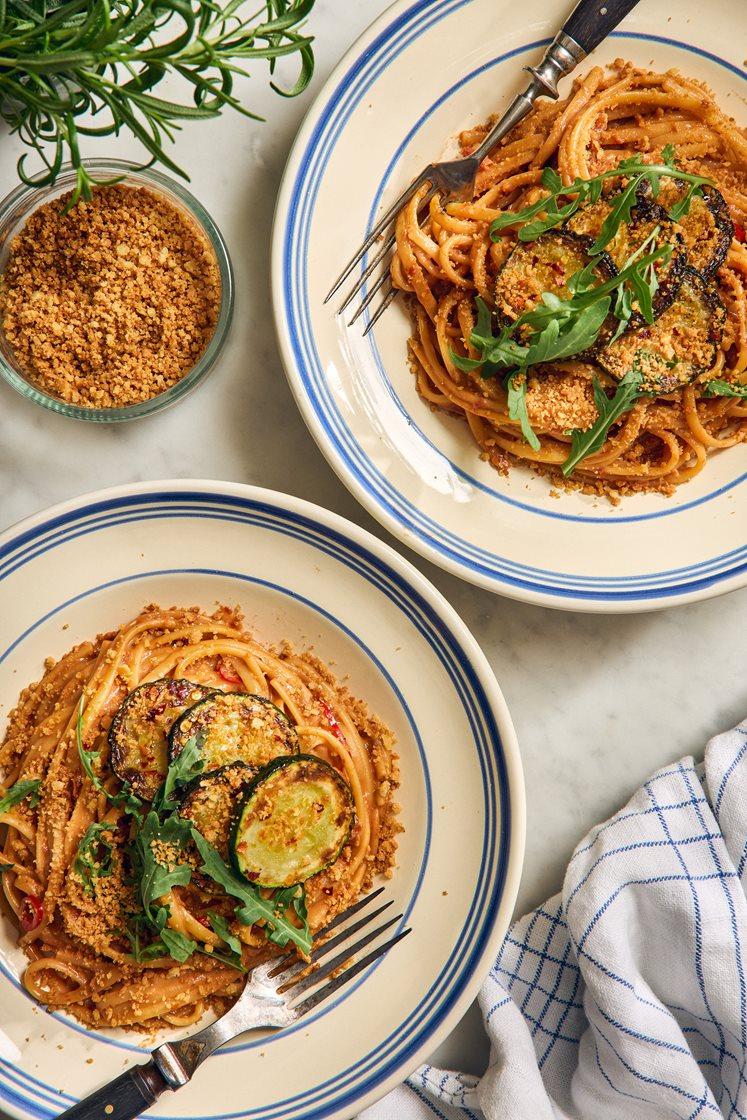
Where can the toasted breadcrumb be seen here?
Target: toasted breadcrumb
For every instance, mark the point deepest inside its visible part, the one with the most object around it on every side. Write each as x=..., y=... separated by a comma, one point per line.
x=112, y=302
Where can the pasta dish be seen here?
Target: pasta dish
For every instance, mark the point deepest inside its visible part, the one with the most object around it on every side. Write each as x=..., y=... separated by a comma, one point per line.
x=585, y=311
x=181, y=802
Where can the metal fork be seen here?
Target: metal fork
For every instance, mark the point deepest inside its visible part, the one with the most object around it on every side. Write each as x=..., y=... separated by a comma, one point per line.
x=270, y=999
x=589, y=23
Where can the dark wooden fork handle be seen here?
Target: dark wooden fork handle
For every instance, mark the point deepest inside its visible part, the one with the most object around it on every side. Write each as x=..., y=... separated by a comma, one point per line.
x=592, y=20
x=122, y=1099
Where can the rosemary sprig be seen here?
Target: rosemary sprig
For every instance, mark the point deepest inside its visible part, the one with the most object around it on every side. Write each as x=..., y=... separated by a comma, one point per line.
x=72, y=68
x=550, y=212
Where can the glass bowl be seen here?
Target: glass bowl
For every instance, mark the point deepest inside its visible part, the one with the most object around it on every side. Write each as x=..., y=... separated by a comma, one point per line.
x=14, y=212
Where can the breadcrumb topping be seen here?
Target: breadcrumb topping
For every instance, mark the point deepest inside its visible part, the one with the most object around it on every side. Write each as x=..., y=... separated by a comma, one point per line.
x=111, y=303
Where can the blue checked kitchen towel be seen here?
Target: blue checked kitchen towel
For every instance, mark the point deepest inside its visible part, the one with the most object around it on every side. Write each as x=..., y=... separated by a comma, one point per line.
x=625, y=996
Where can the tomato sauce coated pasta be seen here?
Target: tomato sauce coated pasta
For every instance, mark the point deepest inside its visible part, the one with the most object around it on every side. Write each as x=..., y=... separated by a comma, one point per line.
x=72, y=932
x=446, y=258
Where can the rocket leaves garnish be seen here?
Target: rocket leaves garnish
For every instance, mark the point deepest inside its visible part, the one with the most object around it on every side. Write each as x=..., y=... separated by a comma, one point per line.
x=27, y=787
x=221, y=927
x=516, y=390
x=584, y=443
x=93, y=860
x=720, y=388
x=254, y=907
x=557, y=329
x=550, y=212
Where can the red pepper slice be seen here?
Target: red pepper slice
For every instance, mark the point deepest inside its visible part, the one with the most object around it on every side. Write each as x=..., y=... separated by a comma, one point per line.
x=332, y=723
x=226, y=673
x=739, y=232
x=32, y=912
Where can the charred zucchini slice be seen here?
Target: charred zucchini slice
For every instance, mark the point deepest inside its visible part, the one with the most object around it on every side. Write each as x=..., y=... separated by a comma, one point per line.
x=138, y=732
x=235, y=727
x=210, y=801
x=543, y=265
x=293, y=822
x=647, y=218
x=707, y=227
x=678, y=347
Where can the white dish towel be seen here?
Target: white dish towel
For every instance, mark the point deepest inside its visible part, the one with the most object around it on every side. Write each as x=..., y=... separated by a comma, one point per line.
x=624, y=997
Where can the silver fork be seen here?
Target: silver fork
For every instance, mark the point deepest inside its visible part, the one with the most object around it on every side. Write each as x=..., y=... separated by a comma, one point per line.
x=589, y=23
x=270, y=999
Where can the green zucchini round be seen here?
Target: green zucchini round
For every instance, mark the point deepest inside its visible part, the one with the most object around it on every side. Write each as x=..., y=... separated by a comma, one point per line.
x=138, y=732
x=678, y=347
x=293, y=822
x=209, y=802
x=235, y=727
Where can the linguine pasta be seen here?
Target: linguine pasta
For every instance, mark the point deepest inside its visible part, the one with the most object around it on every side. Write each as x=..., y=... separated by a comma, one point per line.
x=447, y=259
x=79, y=959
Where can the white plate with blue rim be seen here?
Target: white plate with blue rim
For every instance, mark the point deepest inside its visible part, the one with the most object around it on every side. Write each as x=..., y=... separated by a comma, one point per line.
x=306, y=575
x=423, y=72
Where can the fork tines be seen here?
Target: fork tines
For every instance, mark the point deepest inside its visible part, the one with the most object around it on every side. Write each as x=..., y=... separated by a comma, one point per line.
x=292, y=977
x=380, y=257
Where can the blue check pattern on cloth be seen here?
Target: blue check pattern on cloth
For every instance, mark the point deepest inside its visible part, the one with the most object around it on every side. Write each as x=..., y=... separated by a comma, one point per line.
x=625, y=996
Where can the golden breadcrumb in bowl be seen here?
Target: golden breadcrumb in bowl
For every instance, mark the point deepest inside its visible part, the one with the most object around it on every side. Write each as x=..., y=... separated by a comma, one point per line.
x=116, y=307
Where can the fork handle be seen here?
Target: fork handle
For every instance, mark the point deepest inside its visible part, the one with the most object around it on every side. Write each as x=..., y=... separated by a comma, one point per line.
x=122, y=1099
x=593, y=20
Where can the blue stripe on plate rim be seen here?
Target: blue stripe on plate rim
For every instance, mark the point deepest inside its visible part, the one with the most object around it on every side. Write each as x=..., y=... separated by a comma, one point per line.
x=382, y=497
x=704, y=568
x=387, y=1058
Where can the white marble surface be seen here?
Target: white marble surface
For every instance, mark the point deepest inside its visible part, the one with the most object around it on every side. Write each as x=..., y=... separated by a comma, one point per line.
x=598, y=702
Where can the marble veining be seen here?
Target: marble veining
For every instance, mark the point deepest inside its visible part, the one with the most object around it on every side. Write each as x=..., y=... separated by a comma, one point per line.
x=598, y=702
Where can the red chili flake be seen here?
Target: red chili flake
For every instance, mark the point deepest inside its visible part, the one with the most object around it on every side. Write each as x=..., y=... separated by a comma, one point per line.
x=332, y=723
x=32, y=912
x=227, y=673
x=739, y=232
x=203, y=921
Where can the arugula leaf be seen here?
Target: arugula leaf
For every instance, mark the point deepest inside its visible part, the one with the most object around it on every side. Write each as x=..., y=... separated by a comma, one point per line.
x=561, y=328
x=623, y=311
x=551, y=180
x=27, y=787
x=620, y=211
x=482, y=338
x=93, y=859
x=220, y=926
x=584, y=443
x=516, y=387
x=133, y=931
x=155, y=879
x=587, y=191
x=667, y=154
x=719, y=388
x=178, y=945
x=283, y=900
x=186, y=766
x=254, y=908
